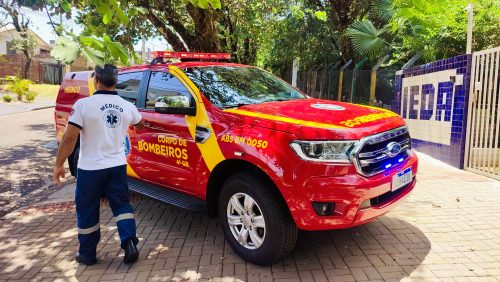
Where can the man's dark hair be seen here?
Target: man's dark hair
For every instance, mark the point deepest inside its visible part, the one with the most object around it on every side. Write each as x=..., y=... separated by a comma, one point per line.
x=107, y=75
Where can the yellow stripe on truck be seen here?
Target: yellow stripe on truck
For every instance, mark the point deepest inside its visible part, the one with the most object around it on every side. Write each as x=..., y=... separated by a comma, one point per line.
x=91, y=84
x=210, y=150
x=131, y=172
x=283, y=119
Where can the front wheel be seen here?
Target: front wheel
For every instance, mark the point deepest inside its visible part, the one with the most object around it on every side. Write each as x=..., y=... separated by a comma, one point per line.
x=256, y=223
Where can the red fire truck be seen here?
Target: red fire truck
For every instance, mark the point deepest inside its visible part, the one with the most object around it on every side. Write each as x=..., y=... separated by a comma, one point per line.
x=245, y=146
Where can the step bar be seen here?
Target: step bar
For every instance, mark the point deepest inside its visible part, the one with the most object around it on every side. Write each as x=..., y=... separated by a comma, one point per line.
x=167, y=196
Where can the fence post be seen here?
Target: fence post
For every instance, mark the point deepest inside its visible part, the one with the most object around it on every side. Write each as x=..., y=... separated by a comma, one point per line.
x=354, y=81
x=295, y=69
x=470, y=24
x=412, y=61
x=341, y=78
x=330, y=75
x=373, y=82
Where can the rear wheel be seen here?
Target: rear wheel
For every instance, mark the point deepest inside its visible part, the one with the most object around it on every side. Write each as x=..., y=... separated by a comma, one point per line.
x=256, y=223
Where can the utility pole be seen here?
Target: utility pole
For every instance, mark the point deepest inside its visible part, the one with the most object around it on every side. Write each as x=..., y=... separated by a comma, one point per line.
x=143, y=51
x=470, y=24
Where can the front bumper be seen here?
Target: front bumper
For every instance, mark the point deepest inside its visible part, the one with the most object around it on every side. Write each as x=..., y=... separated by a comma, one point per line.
x=357, y=199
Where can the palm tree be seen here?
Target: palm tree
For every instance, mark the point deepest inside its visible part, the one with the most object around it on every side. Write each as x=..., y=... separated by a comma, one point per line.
x=367, y=40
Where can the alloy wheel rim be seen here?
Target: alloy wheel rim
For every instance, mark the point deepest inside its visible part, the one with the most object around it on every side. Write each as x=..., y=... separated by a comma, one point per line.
x=246, y=221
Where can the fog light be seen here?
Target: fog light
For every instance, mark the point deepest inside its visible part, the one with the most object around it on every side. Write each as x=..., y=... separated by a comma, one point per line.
x=324, y=209
x=365, y=204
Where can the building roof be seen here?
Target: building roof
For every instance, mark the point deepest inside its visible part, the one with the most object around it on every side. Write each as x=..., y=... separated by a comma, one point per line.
x=11, y=29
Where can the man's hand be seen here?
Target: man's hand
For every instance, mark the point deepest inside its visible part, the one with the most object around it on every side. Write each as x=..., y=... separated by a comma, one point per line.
x=140, y=125
x=65, y=148
x=59, y=172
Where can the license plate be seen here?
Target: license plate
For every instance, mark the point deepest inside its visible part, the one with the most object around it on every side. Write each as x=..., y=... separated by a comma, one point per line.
x=401, y=178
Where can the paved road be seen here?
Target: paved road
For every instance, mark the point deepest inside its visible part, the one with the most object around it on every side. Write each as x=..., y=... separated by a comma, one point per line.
x=447, y=230
x=27, y=151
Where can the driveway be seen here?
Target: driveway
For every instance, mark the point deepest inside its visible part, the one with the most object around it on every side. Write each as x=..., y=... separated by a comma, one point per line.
x=448, y=229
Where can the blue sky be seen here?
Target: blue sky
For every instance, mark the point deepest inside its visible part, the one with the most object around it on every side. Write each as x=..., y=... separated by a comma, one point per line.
x=41, y=26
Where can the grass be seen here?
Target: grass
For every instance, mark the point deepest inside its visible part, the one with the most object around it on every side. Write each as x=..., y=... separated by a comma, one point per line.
x=45, y=91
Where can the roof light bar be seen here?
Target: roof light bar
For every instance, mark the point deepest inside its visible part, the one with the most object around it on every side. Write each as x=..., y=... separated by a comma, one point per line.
x=190, y=55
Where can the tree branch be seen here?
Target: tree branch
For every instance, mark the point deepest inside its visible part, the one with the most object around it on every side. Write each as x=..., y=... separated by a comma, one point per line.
x=172, y=38
x=50, y=19
x=175, y=21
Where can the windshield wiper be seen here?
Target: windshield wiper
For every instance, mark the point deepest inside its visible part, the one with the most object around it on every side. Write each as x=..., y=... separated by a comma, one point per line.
x=236, y=105
x=278, y=100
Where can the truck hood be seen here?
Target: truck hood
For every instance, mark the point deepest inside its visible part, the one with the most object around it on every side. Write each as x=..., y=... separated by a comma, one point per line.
x=319, y=119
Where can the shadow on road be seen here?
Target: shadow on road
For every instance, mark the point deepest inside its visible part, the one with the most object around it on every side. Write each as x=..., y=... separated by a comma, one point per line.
x=46, y=127
x=24, y=168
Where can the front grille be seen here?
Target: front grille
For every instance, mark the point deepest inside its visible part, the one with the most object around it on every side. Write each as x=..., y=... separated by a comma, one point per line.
x=374, y=155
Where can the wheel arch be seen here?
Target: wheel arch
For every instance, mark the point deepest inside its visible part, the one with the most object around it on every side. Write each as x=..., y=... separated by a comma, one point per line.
x=224, y=171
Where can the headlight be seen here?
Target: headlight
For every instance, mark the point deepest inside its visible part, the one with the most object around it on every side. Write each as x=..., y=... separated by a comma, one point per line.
x=324, y=151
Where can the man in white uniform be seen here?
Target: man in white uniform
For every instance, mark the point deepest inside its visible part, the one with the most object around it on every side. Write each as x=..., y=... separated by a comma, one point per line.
x=102, y=121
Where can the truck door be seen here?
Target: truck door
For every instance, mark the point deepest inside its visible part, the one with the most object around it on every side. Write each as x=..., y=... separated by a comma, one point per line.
x=169, y=152
x=128, y=87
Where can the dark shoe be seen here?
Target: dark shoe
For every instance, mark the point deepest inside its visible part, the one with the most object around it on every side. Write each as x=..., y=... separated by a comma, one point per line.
x=85, y=261
x=131, y=252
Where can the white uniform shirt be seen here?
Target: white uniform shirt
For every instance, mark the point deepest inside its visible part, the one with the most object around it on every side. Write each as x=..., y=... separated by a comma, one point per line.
x=103, y=119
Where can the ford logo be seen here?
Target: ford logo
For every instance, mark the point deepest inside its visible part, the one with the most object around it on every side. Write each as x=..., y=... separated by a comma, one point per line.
x=393, y=149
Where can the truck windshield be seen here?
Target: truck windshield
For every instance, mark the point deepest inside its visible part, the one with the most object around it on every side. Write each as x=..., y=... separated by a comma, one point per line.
x=230, y=86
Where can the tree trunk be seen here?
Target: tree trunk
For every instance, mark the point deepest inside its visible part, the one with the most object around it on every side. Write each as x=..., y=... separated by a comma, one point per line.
x=345, y=12
x=27, y=66
x=205, y=29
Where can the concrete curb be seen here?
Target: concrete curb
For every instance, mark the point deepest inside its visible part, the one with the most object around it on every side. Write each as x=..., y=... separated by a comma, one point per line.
x=42, y=108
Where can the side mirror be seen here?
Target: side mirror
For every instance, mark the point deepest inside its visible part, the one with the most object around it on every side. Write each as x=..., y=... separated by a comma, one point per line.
x=179, y=104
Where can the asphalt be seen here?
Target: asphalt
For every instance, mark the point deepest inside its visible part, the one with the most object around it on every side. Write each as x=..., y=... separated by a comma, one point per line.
x=27, y=152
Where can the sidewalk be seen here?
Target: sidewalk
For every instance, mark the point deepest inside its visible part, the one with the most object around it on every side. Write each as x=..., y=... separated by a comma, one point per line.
x=447, y=230
x=21, y=107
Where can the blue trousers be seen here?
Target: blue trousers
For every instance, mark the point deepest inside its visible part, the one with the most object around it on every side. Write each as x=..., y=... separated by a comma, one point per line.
x=91, y=186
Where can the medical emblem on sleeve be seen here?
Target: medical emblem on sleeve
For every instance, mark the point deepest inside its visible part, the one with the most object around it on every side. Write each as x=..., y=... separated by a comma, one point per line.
x=112, y=118
x=127, y=146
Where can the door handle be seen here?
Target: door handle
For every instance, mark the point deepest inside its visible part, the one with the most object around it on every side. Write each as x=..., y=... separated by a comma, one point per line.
x=202, y=134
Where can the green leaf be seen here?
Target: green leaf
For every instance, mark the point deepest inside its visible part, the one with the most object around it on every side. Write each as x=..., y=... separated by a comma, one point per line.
x=106, y=18
x=297, y=12
x=202, y=3
x=123, y=53
x=66, y=6
x=320, y=15
x=66, y=50
x=91, y=42
x=366, y=39
x=94, y=56
x=121, y=15
x=216, y=4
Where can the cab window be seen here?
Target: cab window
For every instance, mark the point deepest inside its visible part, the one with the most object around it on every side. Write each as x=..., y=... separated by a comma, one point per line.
x=128, y=85
x=163, y=84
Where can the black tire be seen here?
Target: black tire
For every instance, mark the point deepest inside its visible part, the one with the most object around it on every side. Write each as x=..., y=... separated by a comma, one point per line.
x=280, y=230
x=73, y=161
